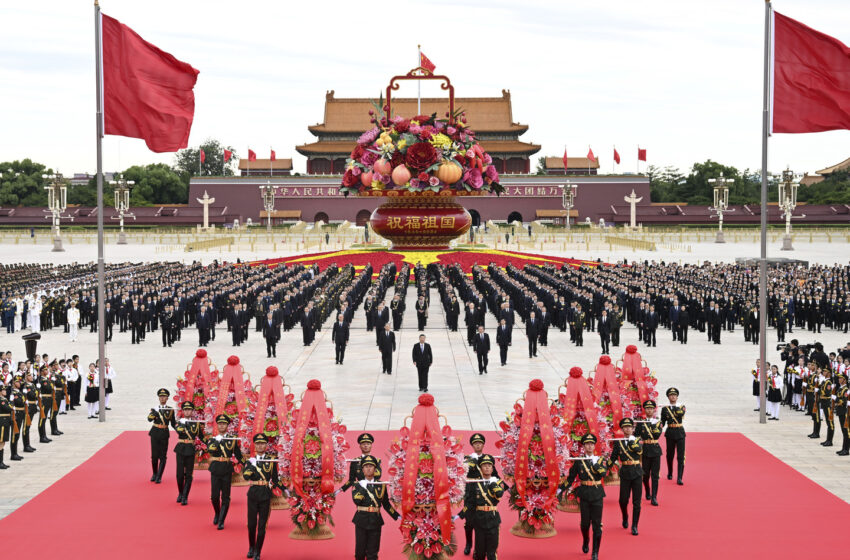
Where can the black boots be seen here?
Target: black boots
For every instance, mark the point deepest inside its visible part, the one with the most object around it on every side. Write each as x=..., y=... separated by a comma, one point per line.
x=217, y=509
x=27, y=447
x=223, y=514
x=259, y=546
x=467, y=529
x=153, y=469
x=179, y=491
x=635, y=519
x=597, y=540
x=160, y=470
x=14, y=456
x=186, y=487
x=624, y=508
x=680, y=473
x=585, y=536
x=2, y=464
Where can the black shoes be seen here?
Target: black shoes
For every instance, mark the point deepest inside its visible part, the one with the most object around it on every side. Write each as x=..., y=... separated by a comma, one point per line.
x=250, y=553
x=679, y=482
x=654, y=501
x=467, y=549
x=827, y=444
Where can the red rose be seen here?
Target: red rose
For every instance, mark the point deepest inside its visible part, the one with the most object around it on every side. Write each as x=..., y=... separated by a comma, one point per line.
x=423, y=176
x=349, y=179
x=396, y=159
x=420, y=156
x=402, y=126
x=357, y=153
x=312, y=447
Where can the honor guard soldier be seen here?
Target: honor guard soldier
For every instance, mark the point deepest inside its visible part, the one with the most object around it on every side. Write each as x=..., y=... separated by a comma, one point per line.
x=369, y=497
x=628, y=452
x=184, y=452
x=842, y=393
x=223, y=450
x=673, y=416
x=355, y=473
x=19, y=414
x=31, y=395
x=162, y=417
x=261, y=472
x=480, y=508
x=45, y=403
x=590, y=471
x=649, y=432
x=5, y=426
x=812, y=389
x=477, y=442
x=825, y=395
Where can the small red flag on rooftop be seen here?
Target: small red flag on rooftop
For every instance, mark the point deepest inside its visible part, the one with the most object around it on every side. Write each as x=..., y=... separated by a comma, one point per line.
x=590, y=155
x=227, y=155
x=273, y=156
x=616, y=156
x=251, y=155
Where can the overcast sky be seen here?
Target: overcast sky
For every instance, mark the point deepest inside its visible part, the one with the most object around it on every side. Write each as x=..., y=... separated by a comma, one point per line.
x=682, y=79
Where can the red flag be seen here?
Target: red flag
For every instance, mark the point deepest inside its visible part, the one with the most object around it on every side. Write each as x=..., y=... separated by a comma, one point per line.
x=425, y=63
x=251, y=155
x=590, y=155
x=641, y=154
x=227, y=155
x=616, y=156
x=147, y=93
x=273, y=156
x=203, y=156
x=811, y=79
x=565, y=160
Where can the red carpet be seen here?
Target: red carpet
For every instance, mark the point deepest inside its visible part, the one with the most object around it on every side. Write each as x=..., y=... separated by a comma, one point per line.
x=736, y=503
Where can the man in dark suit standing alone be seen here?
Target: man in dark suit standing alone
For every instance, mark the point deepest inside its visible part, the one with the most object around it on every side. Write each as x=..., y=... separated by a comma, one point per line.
x=307, y=319
x=339, y=336
x=503, y=339
x=684, y=320
x=386, y=343
x=532, y=331
x=481, y=346
x=271, y=332
x=604, y=328
x=650, y=325
x=422, y=359
x=203, y=322
x=674, y=320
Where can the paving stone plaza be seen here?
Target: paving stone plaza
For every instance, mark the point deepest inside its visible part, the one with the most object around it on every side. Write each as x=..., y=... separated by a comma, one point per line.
x=714, y=381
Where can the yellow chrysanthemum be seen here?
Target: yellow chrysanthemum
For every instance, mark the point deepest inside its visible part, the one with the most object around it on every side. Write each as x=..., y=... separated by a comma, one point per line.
x=441, y=141
x=402, y=144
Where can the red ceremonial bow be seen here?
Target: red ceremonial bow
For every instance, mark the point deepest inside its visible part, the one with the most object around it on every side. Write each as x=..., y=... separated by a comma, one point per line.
x=536, y=409
x=313, y=402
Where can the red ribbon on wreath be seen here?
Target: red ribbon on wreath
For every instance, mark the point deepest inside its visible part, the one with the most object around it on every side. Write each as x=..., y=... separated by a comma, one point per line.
x=577, y=389
x=633, y=369
x=606, y=378
x=232, y=373
x=200, y=366
x=425, y=427
x=536, y=409
x=271, y=391
x=313, y=402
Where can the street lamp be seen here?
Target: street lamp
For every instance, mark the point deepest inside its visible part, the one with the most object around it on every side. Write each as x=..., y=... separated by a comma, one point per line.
x=788, y=202
x=57, y=202
x=568, y=197
x=122, y=204
x=721, y=202
x=267, y=192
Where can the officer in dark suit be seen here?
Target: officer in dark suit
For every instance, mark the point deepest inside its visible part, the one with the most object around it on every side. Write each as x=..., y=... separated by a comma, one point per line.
x=339, y=336
x=109, y=320
x=237, y=321
x=544, y=319
x=503, y=339
x=673, y=415
x=684, y=322
x=222, y=449
x=381, y=318
x=480, y=509
x=421, y=312
x=604, y=331
x=203, y=323
x=369, y=498
x=166, y=321
x=355, y=473
x=470, y=318
x=162, y=417
x=386, y=344
x=532, y=331
x=422, y=359
x=397, y=308
x=650, y=325
x=136, y=323
x=590, y=493
x=184, y=451
x=481, y=346
x=453, y=313
x=271, y=332
x=578, y=325
x=629, y=453
x=261, y=471
x=673, y=317
x=649, y=432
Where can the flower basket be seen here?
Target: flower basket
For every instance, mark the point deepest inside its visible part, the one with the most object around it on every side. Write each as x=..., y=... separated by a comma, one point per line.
x=522, y=529
x=569, y=505
x=202, y=464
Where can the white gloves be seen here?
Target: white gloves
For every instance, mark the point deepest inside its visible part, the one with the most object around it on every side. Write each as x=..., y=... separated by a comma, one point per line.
x=455, y=517
x=805, y=384
x=492, y=480
x=834, y=397
x=182, y=420
x=337, y=491
x=653, y=420
x=253, y=461
x=218, y=437
x=631, y=438
x=363, y=483
x=38, y=385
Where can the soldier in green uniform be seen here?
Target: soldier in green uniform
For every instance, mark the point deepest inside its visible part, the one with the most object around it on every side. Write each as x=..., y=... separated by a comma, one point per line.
x=261, y=472
x=355, y=473
x=477, y=442
x=184, y=452
x=628, y=452
x=369, y=497
x=578, y=325
x=812, y=388
x=31, y=394
x=649, y=432
x=5, y=426
x=19, y=414
x=590, y=472
x=222, y=449
x=161, y=416
x=45, y=401
x=481, y=508
x=842, y=394
x=57, y=383
x=673, y=416
x=825, y=391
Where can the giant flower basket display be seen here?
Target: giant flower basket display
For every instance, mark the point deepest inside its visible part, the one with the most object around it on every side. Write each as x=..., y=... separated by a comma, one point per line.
x=580, y=414
x=614, y=401
x=636, y=379
x=197, y=385
x=534, y=454
x=420, y=163
x=270, y=416
x=312, y=461
x=427, y=477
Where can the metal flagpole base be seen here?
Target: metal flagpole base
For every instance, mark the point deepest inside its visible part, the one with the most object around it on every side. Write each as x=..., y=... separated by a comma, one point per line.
x=786, y=243
x=57, y=245
x=122, y=238
x=720, y=238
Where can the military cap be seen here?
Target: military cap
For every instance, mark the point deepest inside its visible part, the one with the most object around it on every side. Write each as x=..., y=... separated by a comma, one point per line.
x=17, y=377
x=627, y=423
x=222, y=419
x=476, y=437
x=260, y=438
x=486, y=459
x=365, y=438
x=649, y=403
x=163, y=392
x=187, y=405
x=672, y=391
x=588, y=438
x=368, y=460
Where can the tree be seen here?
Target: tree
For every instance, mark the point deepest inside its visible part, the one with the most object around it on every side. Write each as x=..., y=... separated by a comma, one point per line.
x=541, y=166
x=22, y=184
x=834, y=189
x=155, y=183
x=187, y=162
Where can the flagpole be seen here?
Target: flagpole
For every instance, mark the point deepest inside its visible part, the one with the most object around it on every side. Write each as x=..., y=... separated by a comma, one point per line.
x=101, y=281
x=763, y=260
x=270, y=162
x=418, y=82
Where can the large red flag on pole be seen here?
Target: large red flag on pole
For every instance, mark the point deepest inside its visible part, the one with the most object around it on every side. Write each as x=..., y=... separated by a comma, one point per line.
x=147, y=93
x=227, y=155
x=252, y=156
x=566, y=166
x=426, y=63
x=641, y=154
x=811, y=79
x=616, y=156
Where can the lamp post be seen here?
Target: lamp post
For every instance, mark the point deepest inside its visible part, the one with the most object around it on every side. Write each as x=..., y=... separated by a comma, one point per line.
x=267, y=192
x=788, y=202
x=57, y=202
x=568, y=198
x=122, y=204
x=721, y=202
